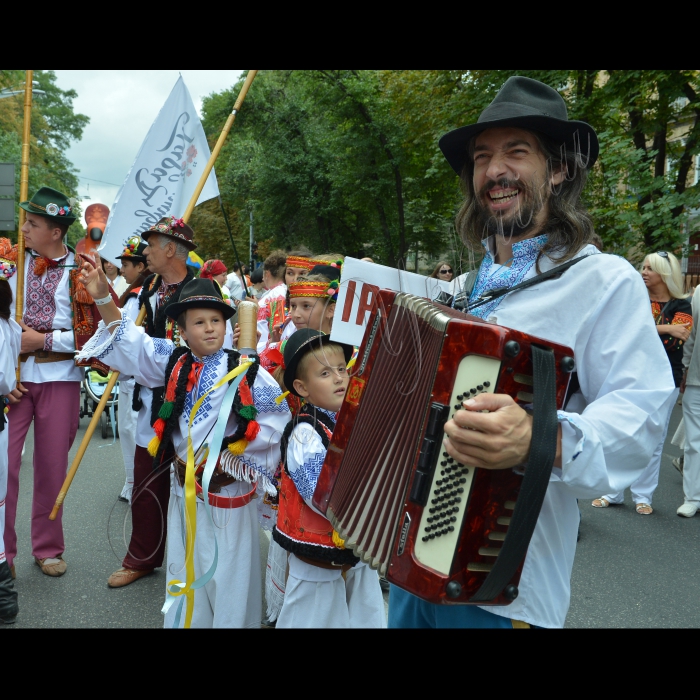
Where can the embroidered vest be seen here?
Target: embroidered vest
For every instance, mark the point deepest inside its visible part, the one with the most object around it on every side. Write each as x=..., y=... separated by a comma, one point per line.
x=300, y=529
x=84, y=311
x=155, y=325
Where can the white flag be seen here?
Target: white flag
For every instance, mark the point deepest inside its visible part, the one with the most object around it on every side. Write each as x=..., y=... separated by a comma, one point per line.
x=164, y=175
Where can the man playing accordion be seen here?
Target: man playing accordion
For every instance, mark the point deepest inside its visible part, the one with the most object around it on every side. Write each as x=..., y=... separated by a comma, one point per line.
x=523, y=167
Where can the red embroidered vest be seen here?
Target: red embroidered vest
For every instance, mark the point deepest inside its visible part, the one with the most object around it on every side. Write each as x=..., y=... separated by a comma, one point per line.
x=300, y=529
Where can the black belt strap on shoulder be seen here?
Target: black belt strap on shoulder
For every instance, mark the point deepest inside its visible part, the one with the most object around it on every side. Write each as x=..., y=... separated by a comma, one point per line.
x=550, y=274
x=543, y=450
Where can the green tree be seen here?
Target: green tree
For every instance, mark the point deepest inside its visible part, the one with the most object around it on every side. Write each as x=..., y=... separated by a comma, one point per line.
x=348, y=161
x=54, y=126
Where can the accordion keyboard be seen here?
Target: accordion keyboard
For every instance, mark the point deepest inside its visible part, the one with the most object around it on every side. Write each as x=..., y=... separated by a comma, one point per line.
x=441, y=521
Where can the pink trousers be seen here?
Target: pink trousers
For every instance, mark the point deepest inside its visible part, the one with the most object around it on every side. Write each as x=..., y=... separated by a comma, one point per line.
x=54, y=408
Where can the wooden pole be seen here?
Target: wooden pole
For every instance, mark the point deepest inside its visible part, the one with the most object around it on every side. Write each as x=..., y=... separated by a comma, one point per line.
x=142, y=314
x=23, y=197
x=222, y=137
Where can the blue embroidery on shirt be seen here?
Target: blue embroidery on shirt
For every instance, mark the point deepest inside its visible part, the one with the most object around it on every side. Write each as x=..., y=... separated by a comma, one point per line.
x=492, y=276
x=162, y=346
x=306, y=476
x=207, y=379
x=268, y=471
x=115, y=339
x=264, y=400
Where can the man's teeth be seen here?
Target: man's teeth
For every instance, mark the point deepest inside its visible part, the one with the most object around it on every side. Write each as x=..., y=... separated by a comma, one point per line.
x=503, y=195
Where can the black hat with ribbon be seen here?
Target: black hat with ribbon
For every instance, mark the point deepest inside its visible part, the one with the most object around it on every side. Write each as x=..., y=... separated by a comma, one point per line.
x=526, y=104
x=200, y=294
x=298, y=344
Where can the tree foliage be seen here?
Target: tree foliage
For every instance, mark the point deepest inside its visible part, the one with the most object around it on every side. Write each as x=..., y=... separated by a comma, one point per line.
x=54, y=126
x=348, y=161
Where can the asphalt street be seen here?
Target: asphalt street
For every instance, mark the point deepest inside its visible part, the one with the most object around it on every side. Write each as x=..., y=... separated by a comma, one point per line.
x=630, y=570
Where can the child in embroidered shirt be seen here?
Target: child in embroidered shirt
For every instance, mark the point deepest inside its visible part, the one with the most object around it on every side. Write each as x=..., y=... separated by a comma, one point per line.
x=327, y=585
x=194, y=409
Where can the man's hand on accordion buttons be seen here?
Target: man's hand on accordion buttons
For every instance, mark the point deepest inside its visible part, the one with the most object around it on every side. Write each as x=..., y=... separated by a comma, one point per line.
x=498, y=439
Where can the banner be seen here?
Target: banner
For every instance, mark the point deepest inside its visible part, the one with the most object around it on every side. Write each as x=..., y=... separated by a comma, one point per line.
x=356, y=296
x=164, y=175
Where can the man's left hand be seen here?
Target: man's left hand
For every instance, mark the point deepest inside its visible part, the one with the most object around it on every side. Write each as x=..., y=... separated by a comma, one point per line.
x=31, y=339
x=499, y=439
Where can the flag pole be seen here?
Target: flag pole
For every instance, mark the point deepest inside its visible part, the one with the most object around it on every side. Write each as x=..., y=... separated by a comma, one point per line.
x=23, y=197
x=142, y=314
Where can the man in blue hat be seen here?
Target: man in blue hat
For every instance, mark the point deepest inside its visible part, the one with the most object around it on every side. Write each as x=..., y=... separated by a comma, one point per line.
x=523, y=167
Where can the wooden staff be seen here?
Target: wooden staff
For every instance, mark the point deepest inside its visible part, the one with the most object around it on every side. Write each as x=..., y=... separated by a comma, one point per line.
x=23, y=197
x=142, y=314
x=224, y=133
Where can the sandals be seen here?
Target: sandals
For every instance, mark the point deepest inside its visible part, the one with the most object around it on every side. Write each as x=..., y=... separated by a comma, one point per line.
x=641, y=508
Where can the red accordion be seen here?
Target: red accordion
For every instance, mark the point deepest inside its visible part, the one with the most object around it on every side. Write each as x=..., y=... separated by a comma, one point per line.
x=444, y=531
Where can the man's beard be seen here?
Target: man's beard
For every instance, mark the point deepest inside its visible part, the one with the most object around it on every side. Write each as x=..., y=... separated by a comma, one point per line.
x=516, y=224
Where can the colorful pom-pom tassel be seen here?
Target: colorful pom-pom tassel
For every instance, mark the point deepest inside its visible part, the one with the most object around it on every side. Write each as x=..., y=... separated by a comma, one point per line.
x=153, y=446
x=159, y=428
x=252, y=431
x=244, y=393
x=338, y=541
x=248, y=412
x=166, y=410
x=238, y=447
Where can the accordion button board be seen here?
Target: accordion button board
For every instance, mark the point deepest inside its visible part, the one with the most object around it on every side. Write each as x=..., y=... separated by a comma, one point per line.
x=443, y=513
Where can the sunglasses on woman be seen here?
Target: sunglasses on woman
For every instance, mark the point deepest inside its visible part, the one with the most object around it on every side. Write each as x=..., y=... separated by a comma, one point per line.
x=663, y=254
x=446, y=271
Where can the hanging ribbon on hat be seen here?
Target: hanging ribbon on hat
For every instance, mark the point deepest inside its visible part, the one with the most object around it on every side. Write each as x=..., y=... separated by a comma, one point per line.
x=187, y=588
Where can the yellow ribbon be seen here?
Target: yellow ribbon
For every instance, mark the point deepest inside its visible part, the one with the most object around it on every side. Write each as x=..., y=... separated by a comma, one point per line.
x=175, y=587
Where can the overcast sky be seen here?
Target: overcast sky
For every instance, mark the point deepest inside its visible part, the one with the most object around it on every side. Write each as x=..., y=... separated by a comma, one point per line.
x=122, y=105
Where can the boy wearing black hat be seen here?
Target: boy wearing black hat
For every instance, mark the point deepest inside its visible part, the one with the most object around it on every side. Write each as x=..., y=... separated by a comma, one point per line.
x=203, y=413
x=327, y=585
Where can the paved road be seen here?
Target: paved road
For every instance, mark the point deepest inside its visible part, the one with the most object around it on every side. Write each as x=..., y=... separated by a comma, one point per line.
x=630, y=570
x=638, y=570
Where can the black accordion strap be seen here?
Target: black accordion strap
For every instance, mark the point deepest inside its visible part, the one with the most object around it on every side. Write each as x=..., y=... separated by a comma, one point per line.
x=550, y=274
x=543, y=450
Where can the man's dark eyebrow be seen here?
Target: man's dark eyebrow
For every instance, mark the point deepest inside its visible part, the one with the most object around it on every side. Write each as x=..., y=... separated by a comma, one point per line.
x=518, y=142
x=510, y=144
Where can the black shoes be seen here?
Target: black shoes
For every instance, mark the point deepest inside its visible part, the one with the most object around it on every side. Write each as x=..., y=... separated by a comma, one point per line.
x=8, y=596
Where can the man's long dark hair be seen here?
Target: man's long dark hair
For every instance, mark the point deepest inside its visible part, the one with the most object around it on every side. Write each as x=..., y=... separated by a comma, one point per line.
x=569, y=226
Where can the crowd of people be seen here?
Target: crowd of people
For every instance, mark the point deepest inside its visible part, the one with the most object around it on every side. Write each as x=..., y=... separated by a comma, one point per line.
x=221, y=440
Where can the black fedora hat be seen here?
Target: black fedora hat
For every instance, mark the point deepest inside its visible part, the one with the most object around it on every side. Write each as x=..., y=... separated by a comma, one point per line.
x=298, y=345
x=526, y=104
x=200, y=294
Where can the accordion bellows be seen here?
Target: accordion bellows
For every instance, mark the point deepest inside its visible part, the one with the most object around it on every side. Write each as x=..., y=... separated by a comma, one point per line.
x=433, y=526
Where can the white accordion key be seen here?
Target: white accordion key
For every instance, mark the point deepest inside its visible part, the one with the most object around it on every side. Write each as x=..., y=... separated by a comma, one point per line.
x=441, y=521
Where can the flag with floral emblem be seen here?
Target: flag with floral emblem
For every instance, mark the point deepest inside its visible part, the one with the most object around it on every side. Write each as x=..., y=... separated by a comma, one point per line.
x=164, y=175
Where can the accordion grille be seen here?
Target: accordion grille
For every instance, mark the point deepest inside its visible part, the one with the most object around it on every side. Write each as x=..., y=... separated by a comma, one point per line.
x=369, y=494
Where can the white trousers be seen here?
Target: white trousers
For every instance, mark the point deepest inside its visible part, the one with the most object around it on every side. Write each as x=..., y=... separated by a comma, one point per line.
x=643, y=488
x=4, y=441
x=233, y=597
x=691, y=465
x=127, y=434
x=322, y=598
